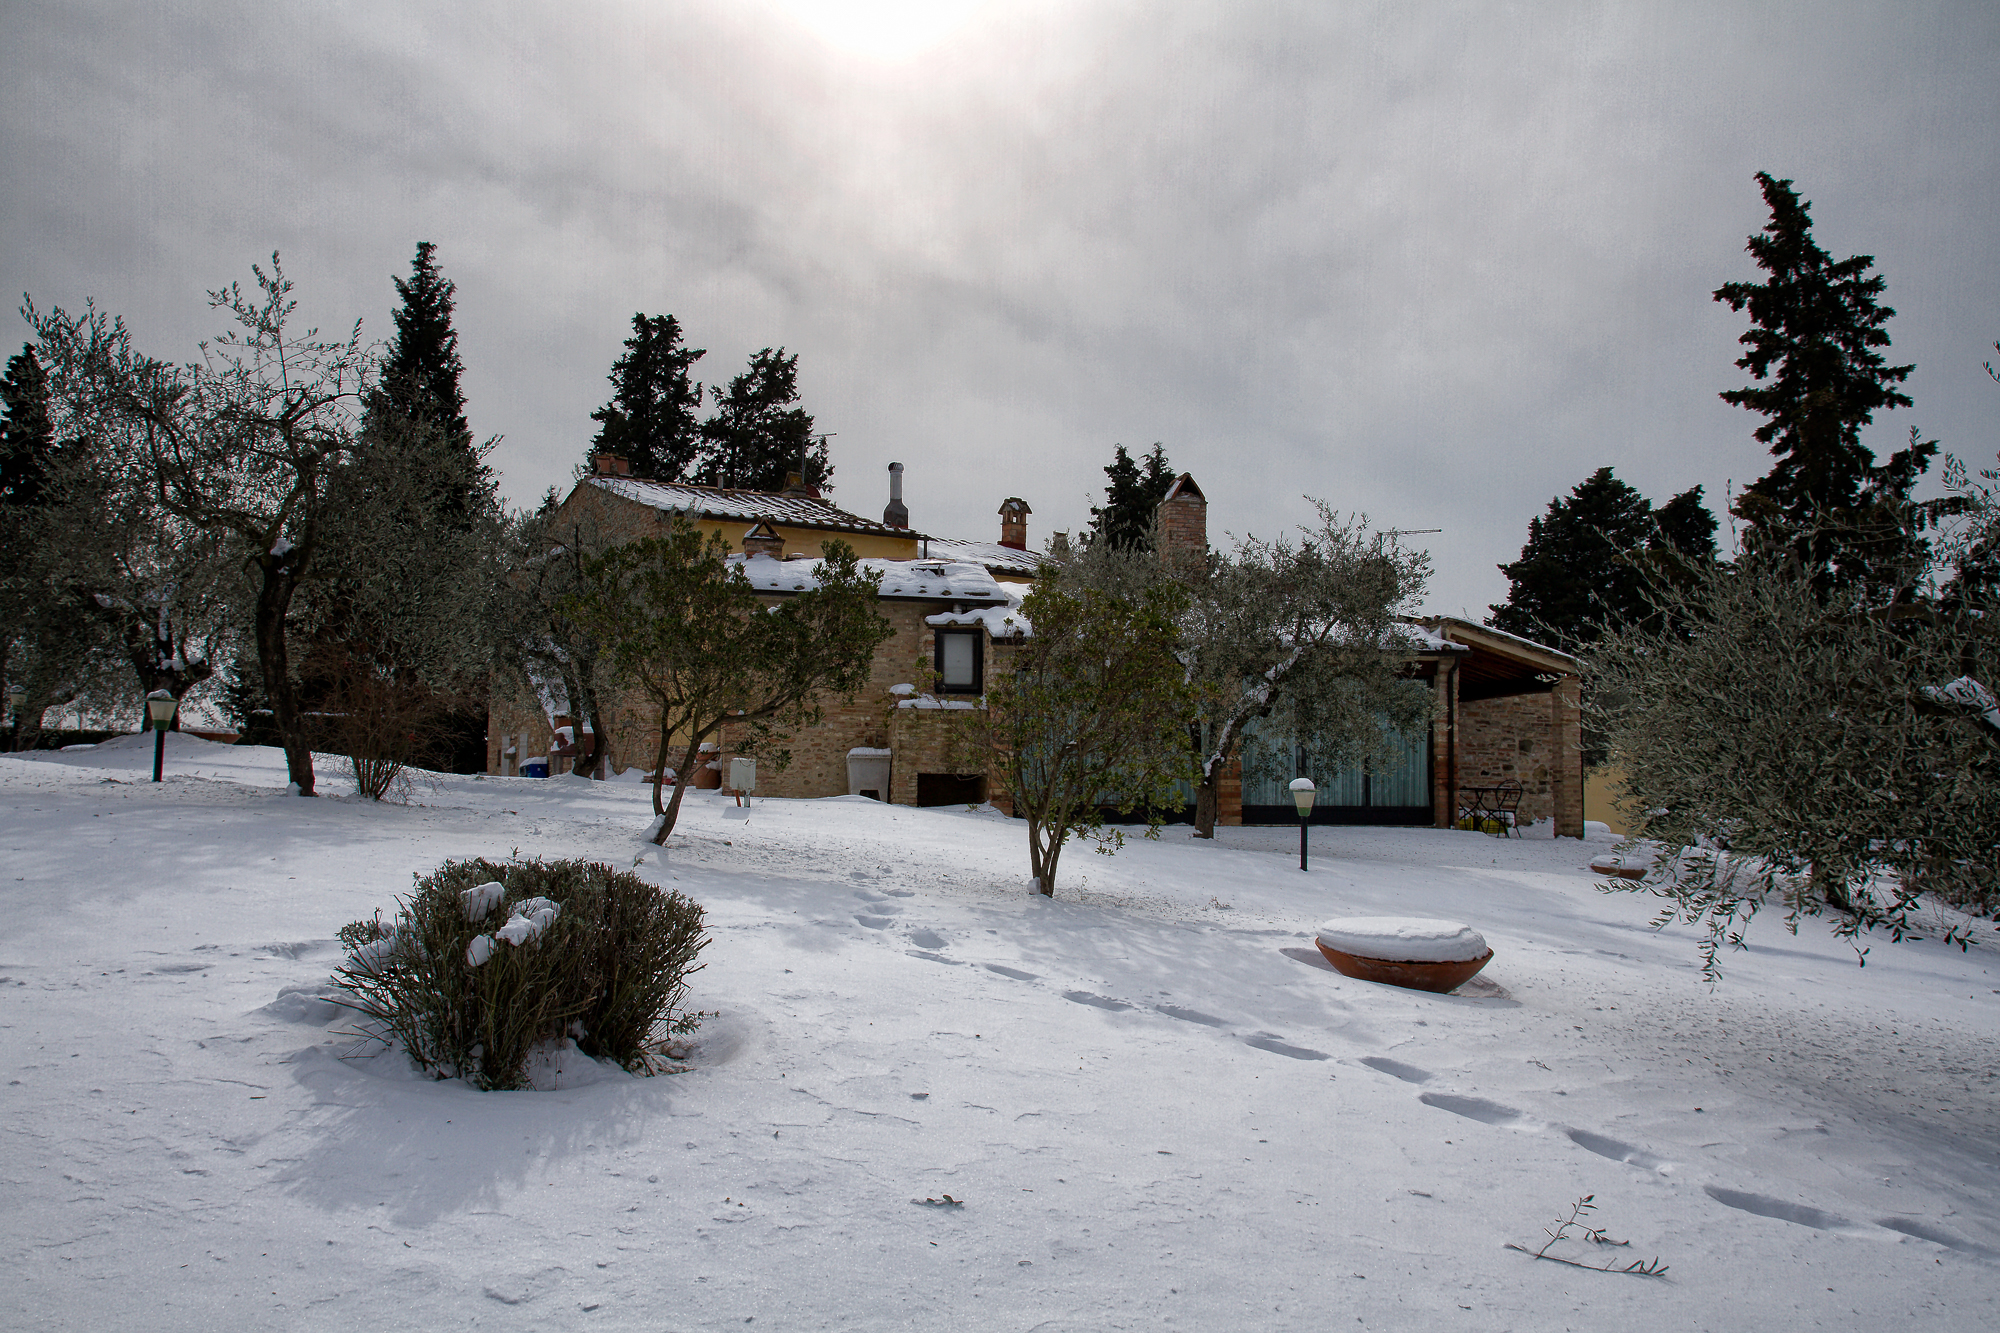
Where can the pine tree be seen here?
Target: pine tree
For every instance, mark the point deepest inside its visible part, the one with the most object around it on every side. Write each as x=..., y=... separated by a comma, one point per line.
x=420, y=375
x=27, y=436
x=1585, y=565
x=1130, y=501
x=1813, y=352
x=756, y=439
x=650, y=421
x=418, y=386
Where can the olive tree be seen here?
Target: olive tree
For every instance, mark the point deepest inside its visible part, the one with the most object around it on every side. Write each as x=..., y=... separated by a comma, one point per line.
x=1306, y=634
x=1804, y=748
x=241, y=443
x=680, y=623
x=1091, y=717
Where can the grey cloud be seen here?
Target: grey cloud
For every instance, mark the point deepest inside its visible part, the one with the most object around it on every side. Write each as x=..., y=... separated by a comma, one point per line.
x=1437, y=265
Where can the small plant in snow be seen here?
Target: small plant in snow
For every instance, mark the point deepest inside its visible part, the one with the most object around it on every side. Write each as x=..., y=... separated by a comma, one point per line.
x=486, y=962
x=1591, y=1235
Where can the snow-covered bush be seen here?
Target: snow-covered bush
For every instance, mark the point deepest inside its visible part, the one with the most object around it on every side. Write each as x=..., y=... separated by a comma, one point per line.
x=488, y=961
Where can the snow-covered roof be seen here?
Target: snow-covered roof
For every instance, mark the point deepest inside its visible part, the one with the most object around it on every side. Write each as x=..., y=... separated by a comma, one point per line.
x=1447, y=625
x=998, y=559
x=902, y=580
x=717, y=502
x=1427, y=640
x=1000, y=622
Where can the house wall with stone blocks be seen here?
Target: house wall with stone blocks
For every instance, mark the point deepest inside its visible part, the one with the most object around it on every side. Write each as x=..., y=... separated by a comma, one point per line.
x=1533, y=739
x=819, y=754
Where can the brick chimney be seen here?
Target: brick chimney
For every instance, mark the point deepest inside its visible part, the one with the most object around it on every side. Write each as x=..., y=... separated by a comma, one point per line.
x=763, y=539
x=1183, y=520
x=897, y=514
x=1014, y=513
x=611, y=465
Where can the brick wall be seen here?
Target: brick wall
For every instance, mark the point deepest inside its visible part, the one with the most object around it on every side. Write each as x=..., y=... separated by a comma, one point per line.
x=1532, y=739
x=1184, y=526
x=819, y=754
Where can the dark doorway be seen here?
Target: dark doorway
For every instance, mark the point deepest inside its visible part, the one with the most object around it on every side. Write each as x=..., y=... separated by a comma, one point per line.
x=951, y=788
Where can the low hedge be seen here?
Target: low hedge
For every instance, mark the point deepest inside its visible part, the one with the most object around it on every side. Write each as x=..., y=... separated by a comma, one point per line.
x=486, y=961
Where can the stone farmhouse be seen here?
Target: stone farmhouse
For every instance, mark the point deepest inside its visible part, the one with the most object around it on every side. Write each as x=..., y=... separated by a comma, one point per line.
x=1506, y=713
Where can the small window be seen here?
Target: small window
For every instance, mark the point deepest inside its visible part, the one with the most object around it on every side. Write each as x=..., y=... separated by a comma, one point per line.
x=960, y=657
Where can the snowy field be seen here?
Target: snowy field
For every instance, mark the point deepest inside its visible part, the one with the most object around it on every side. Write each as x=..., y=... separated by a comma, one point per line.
x=1157, y=1105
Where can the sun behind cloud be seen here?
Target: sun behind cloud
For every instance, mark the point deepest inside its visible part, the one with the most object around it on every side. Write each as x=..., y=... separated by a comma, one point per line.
x=886, y=30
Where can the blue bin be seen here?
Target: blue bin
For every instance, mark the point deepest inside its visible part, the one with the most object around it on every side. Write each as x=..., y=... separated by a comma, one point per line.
x=535, y=768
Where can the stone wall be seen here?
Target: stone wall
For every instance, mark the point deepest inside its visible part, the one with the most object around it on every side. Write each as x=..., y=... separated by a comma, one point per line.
x=1532, y=739
x=819, y=754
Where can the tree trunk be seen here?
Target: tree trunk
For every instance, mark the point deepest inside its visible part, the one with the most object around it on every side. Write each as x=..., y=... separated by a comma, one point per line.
x=1205, y=799
x=1041, y=859
x=1832, y=890
x=660, y=770
x=600, y=739
x=274, y=599
x=681, y=784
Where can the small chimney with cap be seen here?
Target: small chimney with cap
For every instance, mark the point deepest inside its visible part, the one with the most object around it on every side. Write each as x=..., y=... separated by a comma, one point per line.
x=1184, y=521
x=763, y=539
x=897, y=515
x=611, y=465
x=1014, y=513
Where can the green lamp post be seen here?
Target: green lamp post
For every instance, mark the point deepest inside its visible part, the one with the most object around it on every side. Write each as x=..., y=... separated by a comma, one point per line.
x=160, y=706
x=1303, y=795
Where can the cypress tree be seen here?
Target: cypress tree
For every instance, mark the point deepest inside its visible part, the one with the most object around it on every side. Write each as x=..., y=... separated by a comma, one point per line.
x=757, y=436
x=27, y=437
x=421, y=373
x=1813, y=353
x=418, y=393
x=1583, y=568
x=650, y=421
x=1134, y=494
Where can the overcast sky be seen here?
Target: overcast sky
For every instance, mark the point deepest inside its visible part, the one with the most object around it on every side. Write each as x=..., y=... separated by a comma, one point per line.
x=1434, y=263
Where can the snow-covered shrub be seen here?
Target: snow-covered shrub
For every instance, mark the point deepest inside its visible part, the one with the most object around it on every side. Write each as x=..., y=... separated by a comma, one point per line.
x=488, y=961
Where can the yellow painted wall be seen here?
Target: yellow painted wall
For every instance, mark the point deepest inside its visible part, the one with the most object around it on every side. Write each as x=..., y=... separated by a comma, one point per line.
x=1601, y=800
x=627, y=520
x=867, y=545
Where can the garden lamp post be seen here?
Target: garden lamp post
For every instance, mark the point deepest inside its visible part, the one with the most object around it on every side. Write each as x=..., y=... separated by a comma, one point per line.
x=160, y=706
x=1303, y=795
x=15, y=698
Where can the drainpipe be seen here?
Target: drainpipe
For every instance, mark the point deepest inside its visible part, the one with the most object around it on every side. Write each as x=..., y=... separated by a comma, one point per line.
x=1451, y=748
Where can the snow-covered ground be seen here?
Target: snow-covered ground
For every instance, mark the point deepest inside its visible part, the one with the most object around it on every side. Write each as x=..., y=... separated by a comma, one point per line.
x=1156, y=1103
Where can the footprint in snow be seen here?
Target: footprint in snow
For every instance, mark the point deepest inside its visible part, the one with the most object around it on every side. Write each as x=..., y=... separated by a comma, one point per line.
x=1605, y=1146
x=1396, y=1069
x=1191, y=1015
x=927, y=939
x=1265, y=1041
x=1013, y=972
x=1937, y=1236
x=1095, y=1001
x=1763, y=1205
x=875, y=922
x=1507, y=1117
x=1477, y=1108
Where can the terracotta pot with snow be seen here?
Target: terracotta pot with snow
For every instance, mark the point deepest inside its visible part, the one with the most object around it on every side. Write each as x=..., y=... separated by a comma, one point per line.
x=1421, y=953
